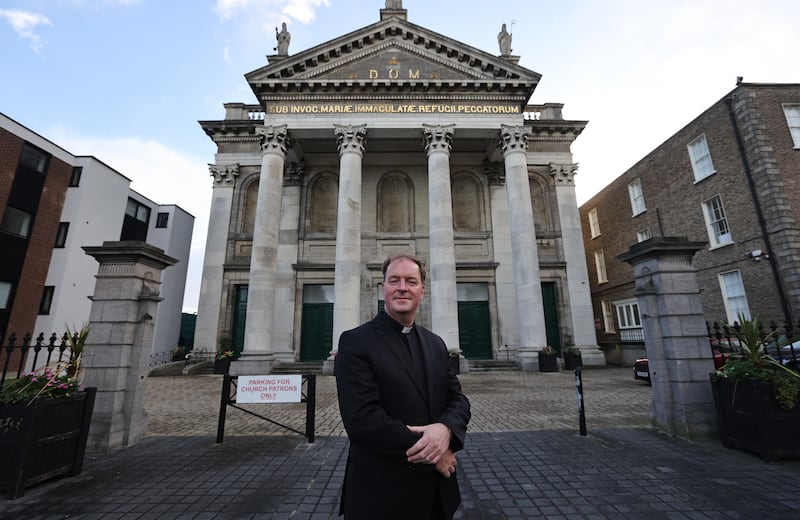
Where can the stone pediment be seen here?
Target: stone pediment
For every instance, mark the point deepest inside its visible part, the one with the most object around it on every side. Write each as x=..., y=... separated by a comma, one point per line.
x=393, y=56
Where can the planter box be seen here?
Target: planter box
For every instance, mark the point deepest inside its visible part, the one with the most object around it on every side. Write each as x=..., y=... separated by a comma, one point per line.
x=750, y=419
x=221, y=366
x=455, y=364
x=572, y=361
x=44, y=440
x=548, y=363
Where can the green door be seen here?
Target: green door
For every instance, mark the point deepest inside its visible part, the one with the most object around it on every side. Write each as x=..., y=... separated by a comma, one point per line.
x=316, y=331
x=551, y=315
x=239, y=316
x=474, y=334
x=316, y=335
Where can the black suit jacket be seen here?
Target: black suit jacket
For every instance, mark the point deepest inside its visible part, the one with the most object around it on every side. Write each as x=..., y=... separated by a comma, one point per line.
x=378, y=397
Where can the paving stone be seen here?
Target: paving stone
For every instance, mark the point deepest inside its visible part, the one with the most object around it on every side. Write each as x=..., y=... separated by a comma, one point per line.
x=523, y=458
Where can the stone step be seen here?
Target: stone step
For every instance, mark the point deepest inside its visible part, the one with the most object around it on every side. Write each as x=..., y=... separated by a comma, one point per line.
x=491, y=365
x=298, y=367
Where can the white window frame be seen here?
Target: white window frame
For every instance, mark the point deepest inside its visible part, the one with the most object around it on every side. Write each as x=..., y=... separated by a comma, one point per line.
x=600, y=266
x=700, y=155
x=792, y=113
x=629, y=320
x=608, y=316
x=636, y=194
x=717, y=226
x=594, y=223
x=733, y=295
x=643, y=234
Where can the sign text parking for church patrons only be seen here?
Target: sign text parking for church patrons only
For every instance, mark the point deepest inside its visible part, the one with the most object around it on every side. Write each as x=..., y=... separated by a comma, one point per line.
x=269, y=389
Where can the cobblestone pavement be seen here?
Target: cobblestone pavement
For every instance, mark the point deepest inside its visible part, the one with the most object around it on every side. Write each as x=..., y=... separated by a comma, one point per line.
x=523, y=458
x=501, y=402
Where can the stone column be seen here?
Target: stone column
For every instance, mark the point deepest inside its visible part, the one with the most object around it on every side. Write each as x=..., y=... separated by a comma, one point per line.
x=675, y=334
x=257, y=355
x=508, y=333
x=443, y=294
x=580, y=298
x=347, y=278
x=117, y=355
x=530, y=307
x=210, y=303
x=285, y=276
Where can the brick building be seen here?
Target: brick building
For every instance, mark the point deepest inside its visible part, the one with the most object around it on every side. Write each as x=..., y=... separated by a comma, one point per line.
x=34, y=176
x=731, y=177
x=52, y=204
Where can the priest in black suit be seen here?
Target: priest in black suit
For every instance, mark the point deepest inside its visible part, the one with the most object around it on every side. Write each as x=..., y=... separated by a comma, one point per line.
x=402, y=407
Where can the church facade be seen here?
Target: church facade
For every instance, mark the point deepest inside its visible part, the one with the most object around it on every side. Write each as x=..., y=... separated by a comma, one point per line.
x=393, y=139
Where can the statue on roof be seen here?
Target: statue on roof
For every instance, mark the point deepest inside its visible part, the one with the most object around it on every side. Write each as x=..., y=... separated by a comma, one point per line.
x=394, y=4
x=283, y=37
x=504, y=40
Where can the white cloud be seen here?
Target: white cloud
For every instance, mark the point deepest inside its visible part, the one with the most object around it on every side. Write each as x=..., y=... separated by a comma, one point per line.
x=228, y=8
x=24, y=23
x=304, y=11
x=161, y=174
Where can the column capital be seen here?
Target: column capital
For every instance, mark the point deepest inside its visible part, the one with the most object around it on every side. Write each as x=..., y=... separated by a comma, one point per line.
x=275, y=139
x=351, y=138
x=514, y=138
x=438, y=138
x=495, y=172
x=224, y=173
x=564, y=174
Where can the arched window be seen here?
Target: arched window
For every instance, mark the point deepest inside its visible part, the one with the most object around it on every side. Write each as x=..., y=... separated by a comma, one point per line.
x=323, y=193
x=541, y=204
x=395, y=204
x=249, y=210
x=467, y=203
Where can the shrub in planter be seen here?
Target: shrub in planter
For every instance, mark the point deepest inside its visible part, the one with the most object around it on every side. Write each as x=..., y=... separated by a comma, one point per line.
x=224, y=356
x=757, y=397
x=454, y=360
x=44, y=423
x=572, y=358
x=548, y=359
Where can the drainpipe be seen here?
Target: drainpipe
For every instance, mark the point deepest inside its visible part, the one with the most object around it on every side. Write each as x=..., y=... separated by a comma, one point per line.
x=773, y=261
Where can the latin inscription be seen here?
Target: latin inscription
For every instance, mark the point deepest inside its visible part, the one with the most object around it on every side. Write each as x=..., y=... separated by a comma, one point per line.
x=391, y=108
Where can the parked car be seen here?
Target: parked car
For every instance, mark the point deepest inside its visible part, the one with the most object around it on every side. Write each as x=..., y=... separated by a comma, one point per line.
x=641, y=367
x=790, y=355
x=641, y=370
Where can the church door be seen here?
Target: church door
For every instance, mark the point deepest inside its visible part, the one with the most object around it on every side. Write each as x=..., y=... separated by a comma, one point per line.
x=551, y=315
x=316, y=332
x=239, y=316
x=474, y=330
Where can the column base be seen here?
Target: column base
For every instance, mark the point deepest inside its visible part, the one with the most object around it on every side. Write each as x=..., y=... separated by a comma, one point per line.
x=528, y=359
x=592, y=356
x=252, y=365
x=327, y=367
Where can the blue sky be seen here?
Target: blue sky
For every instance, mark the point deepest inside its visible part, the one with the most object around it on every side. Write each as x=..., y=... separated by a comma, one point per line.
x=127, y=80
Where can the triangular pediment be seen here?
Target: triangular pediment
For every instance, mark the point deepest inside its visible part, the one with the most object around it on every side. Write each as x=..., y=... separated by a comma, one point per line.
x=393, y=55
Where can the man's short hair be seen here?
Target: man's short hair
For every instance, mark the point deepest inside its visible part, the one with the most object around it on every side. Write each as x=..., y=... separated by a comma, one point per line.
x=403, y=256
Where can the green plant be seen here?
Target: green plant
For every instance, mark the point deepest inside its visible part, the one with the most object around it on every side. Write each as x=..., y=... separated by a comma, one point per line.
x=77, y=343
x=549, y=351
x=751, y=361
x=224, y=354
x=31, y=385
x=225, y=348
x=453, y=352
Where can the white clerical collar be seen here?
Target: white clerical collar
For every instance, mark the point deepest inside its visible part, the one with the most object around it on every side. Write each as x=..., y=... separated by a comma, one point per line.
x=407, y=330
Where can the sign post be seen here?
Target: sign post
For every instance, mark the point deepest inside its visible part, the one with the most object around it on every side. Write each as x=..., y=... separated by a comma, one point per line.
x=581, y=410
